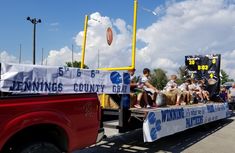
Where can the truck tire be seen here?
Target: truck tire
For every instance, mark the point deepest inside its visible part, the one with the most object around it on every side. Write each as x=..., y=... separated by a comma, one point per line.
x=40, y=147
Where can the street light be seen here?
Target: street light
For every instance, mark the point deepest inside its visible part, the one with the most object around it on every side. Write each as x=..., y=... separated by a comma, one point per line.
x=34, y=21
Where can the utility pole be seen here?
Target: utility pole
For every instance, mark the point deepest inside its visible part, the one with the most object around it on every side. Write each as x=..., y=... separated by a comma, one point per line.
x=20, y=55
x=98, y=58
x=34, y=21
x=72, y=55
x=42, y=57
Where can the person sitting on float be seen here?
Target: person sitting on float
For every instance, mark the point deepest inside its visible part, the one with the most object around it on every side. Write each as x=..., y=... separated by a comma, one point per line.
x=172, y=87
x=148, y=87
x=137, y=89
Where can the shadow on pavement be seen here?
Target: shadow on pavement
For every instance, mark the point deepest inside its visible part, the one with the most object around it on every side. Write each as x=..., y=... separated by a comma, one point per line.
x=132, y=142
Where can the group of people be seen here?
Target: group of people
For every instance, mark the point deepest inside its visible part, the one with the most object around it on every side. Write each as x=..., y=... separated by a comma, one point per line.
x=190, y=91
x=142, y=87
x=228, y=94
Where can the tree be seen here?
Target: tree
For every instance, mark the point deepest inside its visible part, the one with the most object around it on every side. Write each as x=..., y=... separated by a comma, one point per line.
x=182, y=72
x=76, y=64
x=225, y=77
x=159, y=78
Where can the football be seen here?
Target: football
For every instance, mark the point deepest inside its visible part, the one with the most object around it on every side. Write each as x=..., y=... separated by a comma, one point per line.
x=109, y=36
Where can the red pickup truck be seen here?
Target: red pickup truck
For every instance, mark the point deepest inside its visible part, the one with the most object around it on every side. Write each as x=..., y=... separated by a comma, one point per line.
x=49, y=123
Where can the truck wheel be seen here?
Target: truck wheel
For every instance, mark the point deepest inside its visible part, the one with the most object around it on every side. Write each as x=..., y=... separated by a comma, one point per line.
x=40, y=147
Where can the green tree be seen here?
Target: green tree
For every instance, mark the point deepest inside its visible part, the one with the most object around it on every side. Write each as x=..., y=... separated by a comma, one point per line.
x=159, y=78
x=225, y=77
x=182, y=74
x=76, y=64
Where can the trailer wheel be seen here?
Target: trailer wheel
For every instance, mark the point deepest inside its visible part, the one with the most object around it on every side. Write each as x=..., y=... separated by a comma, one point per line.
x=40, y=147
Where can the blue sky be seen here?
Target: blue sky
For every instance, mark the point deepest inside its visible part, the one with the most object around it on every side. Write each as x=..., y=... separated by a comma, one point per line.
x=181, y=27
x=61, y=20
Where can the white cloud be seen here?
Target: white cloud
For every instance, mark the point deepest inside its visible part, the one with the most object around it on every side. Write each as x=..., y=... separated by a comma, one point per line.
x=185, y=28
x=118, y=53
x=54, y=24
x=228, y=63
x=6, y=57
x=60, y=57
x=190, y=27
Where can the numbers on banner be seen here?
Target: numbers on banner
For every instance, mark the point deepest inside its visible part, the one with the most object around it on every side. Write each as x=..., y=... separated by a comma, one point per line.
x=79, y=73
x=62, y=70
x=202, y=67
x=94, y=72
x=191, y=62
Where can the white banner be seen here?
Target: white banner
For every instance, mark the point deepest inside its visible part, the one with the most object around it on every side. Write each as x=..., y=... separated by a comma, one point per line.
x=166, y=121
x=20, y=78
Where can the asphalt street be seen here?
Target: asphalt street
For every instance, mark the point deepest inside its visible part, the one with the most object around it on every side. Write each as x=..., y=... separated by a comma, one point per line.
x=217, y=137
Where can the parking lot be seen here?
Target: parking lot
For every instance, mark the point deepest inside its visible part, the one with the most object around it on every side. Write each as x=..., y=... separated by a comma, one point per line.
x=217, y=137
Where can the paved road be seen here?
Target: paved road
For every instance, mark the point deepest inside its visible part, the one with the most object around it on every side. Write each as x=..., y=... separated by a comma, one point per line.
x=218, y=137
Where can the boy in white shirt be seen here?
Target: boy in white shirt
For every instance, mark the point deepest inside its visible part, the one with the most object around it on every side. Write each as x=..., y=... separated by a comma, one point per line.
x=172, y=87
x=136, y=89
x=195, y=90
x=147, y=86
x=185, y=90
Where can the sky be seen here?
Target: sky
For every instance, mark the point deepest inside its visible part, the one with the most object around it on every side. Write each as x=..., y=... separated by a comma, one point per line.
x=167, y=30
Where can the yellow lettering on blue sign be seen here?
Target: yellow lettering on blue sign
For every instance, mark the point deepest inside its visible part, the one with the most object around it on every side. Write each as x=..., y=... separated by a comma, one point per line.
x=191, y=62
x=213, y=61
x=202, y=67
x=199, y=67
x=211, y=75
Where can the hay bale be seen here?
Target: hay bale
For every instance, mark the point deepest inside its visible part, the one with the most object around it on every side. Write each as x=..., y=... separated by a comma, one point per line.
x=170, y=98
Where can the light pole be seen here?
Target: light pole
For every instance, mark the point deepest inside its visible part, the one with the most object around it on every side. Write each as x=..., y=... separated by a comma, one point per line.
x=42, y=57
x=20, y=55
x=34, y=21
